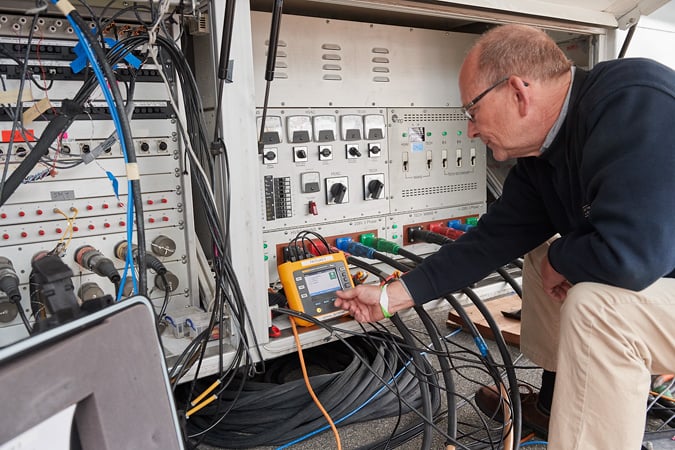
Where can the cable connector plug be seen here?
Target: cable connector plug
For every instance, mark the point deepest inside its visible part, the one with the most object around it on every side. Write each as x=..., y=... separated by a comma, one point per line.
x=9, y=280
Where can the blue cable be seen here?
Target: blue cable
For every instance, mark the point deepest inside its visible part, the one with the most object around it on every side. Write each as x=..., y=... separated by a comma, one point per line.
x=529, y=443
x=129, y=261
x=363, y=405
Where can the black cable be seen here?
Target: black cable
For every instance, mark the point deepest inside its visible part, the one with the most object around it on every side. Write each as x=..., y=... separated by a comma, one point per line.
x=17, y=115
x=128, y=139
x=499, y=339
x=510, y=280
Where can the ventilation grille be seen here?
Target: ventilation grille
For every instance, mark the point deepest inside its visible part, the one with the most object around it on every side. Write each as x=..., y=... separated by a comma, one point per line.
x=433, y=117
x=331, y=61
x=432, y=190
x=281, y=62
x=380, y=68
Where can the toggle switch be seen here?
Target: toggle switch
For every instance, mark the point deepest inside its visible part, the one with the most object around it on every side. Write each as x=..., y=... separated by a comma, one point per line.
x=270, y=156
x=353, y=151
x=325, y=152
x=374, y=150
x=300, y=154
x=312, y=208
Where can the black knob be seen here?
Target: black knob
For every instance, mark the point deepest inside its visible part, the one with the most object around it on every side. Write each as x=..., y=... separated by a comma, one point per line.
x=163, y=145
x=375, y=149
x=338, y=191
x=270, y=155
x=145, y=146
x=354, y=151
x=375, y=188
x=301, y=154
x=325, y=152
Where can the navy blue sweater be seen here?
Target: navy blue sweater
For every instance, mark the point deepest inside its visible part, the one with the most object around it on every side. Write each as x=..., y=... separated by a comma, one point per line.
x=606, y=184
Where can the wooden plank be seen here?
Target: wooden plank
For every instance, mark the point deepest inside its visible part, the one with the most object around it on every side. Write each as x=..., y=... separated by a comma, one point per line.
x=510, y=328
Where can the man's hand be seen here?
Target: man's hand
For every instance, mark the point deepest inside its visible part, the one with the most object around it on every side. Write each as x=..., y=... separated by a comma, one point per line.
x=554, y=283
x=363, y=301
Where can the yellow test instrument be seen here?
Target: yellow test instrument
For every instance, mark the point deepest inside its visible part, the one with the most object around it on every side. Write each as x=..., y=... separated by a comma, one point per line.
x=310, y=285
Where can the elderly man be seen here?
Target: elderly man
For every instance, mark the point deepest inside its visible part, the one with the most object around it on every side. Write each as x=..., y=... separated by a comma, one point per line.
x=596, y=167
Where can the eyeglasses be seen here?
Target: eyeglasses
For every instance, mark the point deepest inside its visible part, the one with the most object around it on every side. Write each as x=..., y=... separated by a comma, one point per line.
x=476, y=99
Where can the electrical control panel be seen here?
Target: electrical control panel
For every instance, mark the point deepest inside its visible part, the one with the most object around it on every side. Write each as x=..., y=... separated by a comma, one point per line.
x=79, y=197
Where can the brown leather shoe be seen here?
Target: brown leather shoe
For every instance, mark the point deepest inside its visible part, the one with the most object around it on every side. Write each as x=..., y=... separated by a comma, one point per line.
x=489, y=402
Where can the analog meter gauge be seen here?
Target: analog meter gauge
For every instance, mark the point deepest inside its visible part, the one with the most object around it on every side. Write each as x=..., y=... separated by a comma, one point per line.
x=299, y=128
x=273, y=130
x=325, y=128
x=374, y=124
x=352, y=127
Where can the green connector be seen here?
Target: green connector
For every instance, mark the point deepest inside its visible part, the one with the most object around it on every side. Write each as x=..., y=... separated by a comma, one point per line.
x=382, y=245
x=472, y=221
x=368, y=239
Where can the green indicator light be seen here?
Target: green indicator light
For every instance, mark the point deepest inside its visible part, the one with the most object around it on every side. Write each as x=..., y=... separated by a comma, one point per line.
x=394, y=236
x=428, y=133
x=266, y=258
x=459, y=133
x=405, y=134
x=394, y=226
x=265, y=245
x=444, y=133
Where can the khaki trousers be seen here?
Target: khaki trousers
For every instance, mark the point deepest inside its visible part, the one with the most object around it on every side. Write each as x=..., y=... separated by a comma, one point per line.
x=604, y=343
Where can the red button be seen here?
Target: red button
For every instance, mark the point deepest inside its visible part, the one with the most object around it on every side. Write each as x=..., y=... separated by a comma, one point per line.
x=165, y=219
x=122, y=223
x=76, y=229
x=105, y=206
x=89, y=207
x=151, y=202
x=106, y=225
x=38, y=212
x=3, y=216
x=120, y=205
x=24, y=234
x=164, y=200
x=151, y=220
x=5, y=236
x=91, y=227
x=21, y=213
x=41, y=232
x=59, y=230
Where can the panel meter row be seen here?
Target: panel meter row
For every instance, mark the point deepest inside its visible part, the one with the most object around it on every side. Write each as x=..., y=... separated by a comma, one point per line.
x=320, y=127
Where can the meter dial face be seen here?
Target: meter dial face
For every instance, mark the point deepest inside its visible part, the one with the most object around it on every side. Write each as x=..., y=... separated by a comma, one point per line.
x=273, y=130
x=351, y=126
x=325, y=128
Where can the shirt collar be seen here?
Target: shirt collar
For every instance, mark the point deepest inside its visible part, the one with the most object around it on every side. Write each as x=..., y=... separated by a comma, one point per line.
x=561, y=117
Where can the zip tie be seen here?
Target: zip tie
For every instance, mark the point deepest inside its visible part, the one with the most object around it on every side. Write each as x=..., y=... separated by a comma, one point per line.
x=132, y=172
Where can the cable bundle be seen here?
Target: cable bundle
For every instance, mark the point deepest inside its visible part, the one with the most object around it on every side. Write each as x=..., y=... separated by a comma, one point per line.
x=268, y=413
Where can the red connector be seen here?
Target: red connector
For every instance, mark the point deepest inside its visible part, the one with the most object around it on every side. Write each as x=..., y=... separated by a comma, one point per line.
x=442, y=229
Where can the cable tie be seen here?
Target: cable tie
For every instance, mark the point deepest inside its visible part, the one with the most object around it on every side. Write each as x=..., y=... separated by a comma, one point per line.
x=133, y=173
x=64, y=6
